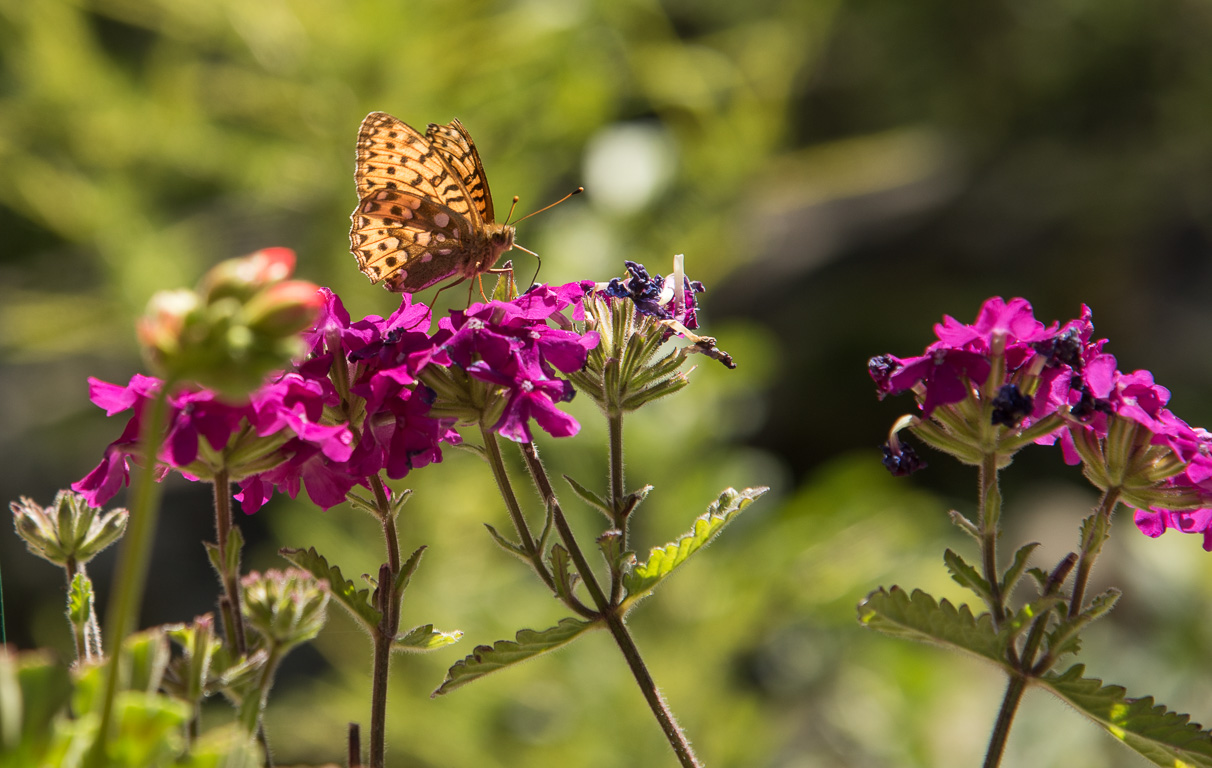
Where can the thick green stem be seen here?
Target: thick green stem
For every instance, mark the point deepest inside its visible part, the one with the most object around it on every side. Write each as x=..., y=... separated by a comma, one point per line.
x=384, y=634
x=1001, y=728
x=990, y=514
x=615, y=424
x=131, y=577
x=233, y=616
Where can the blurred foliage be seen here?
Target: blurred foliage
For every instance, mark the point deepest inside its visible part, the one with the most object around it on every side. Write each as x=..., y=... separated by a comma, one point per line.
x=840, y=174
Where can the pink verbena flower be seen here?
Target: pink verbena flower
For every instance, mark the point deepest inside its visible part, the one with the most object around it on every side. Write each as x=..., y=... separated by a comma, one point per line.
x=513, y=347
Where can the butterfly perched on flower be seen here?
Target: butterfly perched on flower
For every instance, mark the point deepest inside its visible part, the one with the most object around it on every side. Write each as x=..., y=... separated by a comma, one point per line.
x=424, y=212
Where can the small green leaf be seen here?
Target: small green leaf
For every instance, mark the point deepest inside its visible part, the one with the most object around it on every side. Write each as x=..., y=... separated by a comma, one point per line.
x=1064, y=639
x=406, y=572
x=514, y=549
x=967, y=576
x=919, y=617
x=964, y=524
x=1024, y=617
x=561, y=572
x=588, y=496
x=1165, y=738
x=503, y=653
x=425, y=638
x=1018, y=567
x=611, y=544
x=643, y=578
x=80, y=601
x=356, y=601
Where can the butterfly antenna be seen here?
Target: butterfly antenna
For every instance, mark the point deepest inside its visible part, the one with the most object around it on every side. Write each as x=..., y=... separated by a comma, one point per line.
x=515, y=205
x=576, y=191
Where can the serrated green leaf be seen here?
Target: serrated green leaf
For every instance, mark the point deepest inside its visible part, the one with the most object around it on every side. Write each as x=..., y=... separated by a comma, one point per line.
x=919, y=617
x=588, y=496
x=1165, y=738
x=1018, y=567
x=967, y=576
x=356, y=601
x=503, y=653
x=1040, y=576
x=643, y=578
x=425, y=638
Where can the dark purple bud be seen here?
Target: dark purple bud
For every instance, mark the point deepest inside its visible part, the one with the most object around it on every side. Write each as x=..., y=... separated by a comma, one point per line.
x=902, y=460
x=1010, y=406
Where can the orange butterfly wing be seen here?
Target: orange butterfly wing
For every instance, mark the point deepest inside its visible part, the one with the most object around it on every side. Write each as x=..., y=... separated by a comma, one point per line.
x=425, y=212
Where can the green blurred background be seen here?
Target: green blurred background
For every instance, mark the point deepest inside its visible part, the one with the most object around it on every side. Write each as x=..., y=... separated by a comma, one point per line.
x=840, y=174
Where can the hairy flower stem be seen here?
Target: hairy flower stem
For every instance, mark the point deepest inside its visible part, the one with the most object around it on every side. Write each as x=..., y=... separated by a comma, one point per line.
x=233, y=617
x=618, y=512
x=389, y=623
x=990, y=513
x=1001, y=728
x=610, y=614
x=131, y=577
x=1092, y=543
x=615, y=424
x=492, y=449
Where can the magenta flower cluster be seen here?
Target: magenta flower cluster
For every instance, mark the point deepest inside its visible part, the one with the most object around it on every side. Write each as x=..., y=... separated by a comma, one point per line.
x=1059, y=379
x=355, y=406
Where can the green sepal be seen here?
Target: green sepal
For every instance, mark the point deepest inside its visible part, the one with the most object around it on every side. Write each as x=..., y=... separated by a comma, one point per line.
x=561, y=572
x=406, y=572
x=1018, y=567
x=644, y=577
x=235, y=544
x=506, y=288
x=589, y=497
x=514, y=549
x=967, y=576
x=919, y=617
x=1163, y=737
x=503, y=653
x=356, y=601
x=425, y=638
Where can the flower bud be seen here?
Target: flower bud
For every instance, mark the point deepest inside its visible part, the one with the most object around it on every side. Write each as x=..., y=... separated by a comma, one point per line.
x=239, y=325
x=69, y=531
x=287, y=607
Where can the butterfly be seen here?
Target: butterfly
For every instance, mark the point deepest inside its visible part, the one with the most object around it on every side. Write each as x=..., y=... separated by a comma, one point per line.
x=425, y=211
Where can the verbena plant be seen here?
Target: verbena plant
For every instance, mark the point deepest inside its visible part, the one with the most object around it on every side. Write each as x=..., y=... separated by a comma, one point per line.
x=264, y=385
x=986, y=391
